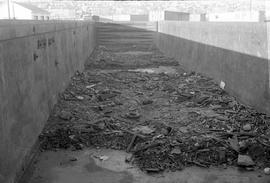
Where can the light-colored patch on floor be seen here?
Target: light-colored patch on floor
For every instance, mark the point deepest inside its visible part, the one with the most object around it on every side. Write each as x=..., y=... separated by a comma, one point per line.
x=134, y=53
x=161, y=69
x=158, y=70
x=85, y=167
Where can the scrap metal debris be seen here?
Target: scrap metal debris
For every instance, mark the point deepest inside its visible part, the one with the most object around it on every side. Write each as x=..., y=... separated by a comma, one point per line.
x=267, y=171
x=101, y=158
x=166, y=120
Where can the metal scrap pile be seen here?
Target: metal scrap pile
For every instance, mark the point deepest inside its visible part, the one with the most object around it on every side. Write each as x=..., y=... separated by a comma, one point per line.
x=166, y=120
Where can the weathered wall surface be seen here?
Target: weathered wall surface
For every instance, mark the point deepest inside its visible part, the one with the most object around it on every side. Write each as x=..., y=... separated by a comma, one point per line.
x=268, y=48
x=36, y=62
x=232, y=52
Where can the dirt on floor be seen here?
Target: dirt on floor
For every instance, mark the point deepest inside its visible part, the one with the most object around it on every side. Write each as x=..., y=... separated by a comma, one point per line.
x=135, y=99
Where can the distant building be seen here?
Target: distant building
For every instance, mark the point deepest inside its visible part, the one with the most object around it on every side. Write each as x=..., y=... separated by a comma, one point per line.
x=139, y=17
x=237, y=16
x=170, y=15
x=19, y=10
x=63, y=14
x=176, y=16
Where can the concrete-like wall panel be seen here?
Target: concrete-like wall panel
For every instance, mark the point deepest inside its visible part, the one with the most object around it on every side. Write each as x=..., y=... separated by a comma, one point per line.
x=268, y=48
x=247, y=38
x=232, y=52
x=34, y=67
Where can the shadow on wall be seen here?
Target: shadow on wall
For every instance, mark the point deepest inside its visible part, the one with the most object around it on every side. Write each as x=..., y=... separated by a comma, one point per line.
x=245, y=74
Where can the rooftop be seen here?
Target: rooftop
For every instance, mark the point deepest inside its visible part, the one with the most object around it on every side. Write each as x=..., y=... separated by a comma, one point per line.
x=31, y=7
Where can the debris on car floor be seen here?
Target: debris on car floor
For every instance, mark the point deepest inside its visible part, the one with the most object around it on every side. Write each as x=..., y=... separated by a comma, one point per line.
x=168, y=121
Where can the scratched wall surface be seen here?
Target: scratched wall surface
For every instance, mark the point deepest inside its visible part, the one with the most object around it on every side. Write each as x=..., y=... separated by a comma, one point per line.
x=37, y=60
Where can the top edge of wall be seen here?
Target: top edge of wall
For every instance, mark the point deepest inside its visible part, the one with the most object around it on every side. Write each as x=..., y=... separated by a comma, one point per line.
x=11, y=29
x=209, y=22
